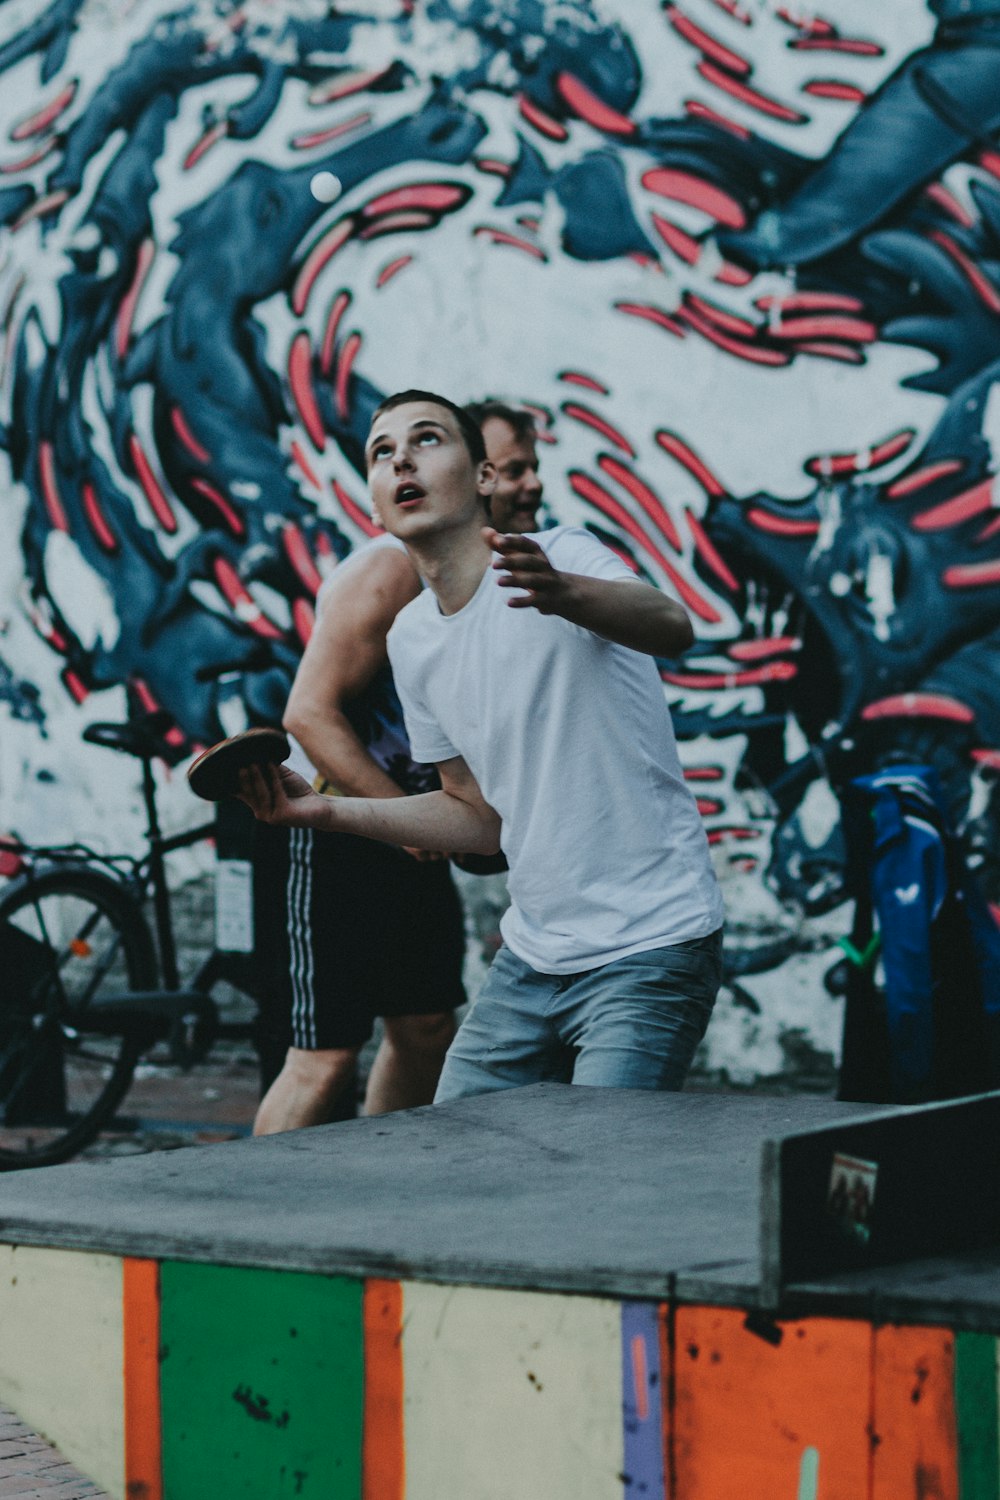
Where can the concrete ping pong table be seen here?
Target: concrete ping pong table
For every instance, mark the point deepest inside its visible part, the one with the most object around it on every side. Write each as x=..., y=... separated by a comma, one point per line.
x=555, y=1293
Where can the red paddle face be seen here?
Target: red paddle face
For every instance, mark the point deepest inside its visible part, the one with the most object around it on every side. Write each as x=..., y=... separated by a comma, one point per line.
x=214, y=775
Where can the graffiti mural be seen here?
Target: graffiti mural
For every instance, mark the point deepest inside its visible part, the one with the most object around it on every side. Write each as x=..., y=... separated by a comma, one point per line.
x=741, y=260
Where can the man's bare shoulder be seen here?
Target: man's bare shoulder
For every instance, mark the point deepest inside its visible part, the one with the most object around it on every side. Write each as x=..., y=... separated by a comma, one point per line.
x=373, y=572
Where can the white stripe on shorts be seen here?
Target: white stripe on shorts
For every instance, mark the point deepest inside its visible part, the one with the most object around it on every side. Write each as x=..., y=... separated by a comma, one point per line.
x=300, y=848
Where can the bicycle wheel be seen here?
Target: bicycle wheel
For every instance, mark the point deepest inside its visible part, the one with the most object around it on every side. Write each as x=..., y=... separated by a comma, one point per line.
x=69, y=938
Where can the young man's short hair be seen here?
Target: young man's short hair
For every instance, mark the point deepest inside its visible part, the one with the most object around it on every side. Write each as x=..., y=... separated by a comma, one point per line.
x=516, y=417
x=467, y=426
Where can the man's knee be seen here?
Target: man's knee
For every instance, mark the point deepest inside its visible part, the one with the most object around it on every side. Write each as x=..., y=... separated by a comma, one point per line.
x=322, y=1069
x=431, y=1034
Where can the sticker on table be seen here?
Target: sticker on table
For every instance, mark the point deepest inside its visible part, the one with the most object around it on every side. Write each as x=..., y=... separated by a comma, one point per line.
x=852, y=1195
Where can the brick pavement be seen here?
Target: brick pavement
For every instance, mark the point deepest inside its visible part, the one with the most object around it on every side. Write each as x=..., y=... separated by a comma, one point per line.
x=31, y=1469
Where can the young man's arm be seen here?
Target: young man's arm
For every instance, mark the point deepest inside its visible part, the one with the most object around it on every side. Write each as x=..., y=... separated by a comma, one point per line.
x=626, y=611
x=454, y=820
x=346, y=650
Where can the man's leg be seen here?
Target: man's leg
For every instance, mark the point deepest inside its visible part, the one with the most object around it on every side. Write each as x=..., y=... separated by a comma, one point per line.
x=637, y=1022
x=408, y=1063
x=506, y=1040
x=307, y=1089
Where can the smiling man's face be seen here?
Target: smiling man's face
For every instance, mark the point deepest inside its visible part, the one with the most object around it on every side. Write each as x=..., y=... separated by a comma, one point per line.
x=421, y=475
x=518, y=493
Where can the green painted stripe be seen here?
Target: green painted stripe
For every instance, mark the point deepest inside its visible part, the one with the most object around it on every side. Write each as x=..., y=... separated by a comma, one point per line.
x=977, y=1412
x=261, y=1384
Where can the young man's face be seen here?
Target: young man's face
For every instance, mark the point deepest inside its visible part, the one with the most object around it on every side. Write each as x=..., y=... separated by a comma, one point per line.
x=518, y=493
x=420, y=474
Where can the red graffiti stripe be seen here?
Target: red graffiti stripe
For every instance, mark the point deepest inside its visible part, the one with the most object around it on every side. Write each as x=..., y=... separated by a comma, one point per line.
x=752, y=98
x=764, y=647
x=324, y=249
x=179, y=423
x=811, y=25
x=158, y=502
x=860, y=462
x=432, y=197
x=341, y=382
x=48, y=204
x=74, y=685
x=920, y=478
x=585, y=103
x=588, y=418
x=780, y=525
x=641, y=492
x=596, y=495
x=699, y=111
x=412, y=218
x=719, y=835
x=529, y=221
x=305, y=465
x=983, y=288
x=971, y=575
x=731, y=275
x=50, y=488
x=753, y=353
x=710, y=682
x=990, y=160
x=621, y=554
x=959, y=508
x=40, y=121
x=304, y=619
x=734, y=9
x=494, y=167
x=719, y=317
x=344, y=85
x=573, y=377
x=298, y=554
x=709, y=807
x=300, y=380
x=320, y=137
x=944, y=198
x=392, y=269
x=696, y=192
x=97, y=520
x=338, y=307
x=651, y=315
x=684, y=245
x=354, y=512
x=705, y=42
x=703, y=773
x=854, y=46
x=126, y=312
x=857, y=330
x=678, y=449
x=708, y=552
x=150, y=704
x=41, y=151
x=205, y=142
x=848, y=354
x=988, y=531
x=919, y=706
x=834, y=88
x=810, y=302
x=542, y=122
x=241, y=601
x=988, y=758
x=502, y=237
x=230, y=517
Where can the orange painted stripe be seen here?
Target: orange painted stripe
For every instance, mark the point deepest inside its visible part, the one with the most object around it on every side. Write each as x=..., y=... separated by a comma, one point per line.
x=383, y=1458
x=914, y=1415
x=143, y=1459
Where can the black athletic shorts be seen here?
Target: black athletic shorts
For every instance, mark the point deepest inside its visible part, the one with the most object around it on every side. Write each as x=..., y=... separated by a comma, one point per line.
x=348, y=929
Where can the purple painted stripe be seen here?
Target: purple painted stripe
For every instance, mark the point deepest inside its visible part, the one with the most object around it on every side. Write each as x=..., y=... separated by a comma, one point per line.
x=642, y=1401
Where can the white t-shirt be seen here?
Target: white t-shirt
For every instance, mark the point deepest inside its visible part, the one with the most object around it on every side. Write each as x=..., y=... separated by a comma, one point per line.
x=570, y=739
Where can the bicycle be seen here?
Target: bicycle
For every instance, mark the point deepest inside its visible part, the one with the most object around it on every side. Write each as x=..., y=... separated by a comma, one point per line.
x=88, y=991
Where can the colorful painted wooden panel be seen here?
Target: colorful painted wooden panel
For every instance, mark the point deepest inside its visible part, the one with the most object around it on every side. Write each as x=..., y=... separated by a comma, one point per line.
x=61, y=1353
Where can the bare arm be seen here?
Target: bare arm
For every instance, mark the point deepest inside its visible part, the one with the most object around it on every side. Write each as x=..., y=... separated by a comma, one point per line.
x=346, y=650
x=626, y=611
x=455, y=819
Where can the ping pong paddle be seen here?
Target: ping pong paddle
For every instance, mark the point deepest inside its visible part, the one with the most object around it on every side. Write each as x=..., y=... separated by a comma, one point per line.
x=214, y=775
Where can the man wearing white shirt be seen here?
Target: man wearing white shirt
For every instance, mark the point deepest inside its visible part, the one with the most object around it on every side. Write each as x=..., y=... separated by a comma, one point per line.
x=525, y=673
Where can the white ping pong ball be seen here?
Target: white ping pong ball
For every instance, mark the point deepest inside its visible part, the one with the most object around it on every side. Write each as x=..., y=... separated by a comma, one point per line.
x=325, y=187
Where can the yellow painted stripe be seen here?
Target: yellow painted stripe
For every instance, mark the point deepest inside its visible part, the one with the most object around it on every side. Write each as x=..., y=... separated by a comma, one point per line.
x=511, y=1394
x=61, y=1354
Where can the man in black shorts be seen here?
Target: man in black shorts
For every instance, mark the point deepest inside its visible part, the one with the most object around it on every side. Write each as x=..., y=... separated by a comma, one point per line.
x=350, y=929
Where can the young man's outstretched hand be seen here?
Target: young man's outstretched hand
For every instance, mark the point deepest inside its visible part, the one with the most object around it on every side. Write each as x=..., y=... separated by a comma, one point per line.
x=623, y=610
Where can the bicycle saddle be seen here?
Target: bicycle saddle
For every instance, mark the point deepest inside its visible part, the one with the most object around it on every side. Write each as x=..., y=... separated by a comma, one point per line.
x=142, y=737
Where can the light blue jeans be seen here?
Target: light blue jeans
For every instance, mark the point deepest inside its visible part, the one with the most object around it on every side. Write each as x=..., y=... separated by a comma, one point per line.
x=631, y=1024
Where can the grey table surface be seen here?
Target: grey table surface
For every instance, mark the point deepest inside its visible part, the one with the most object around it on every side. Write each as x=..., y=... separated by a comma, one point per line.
x=604, y=1191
